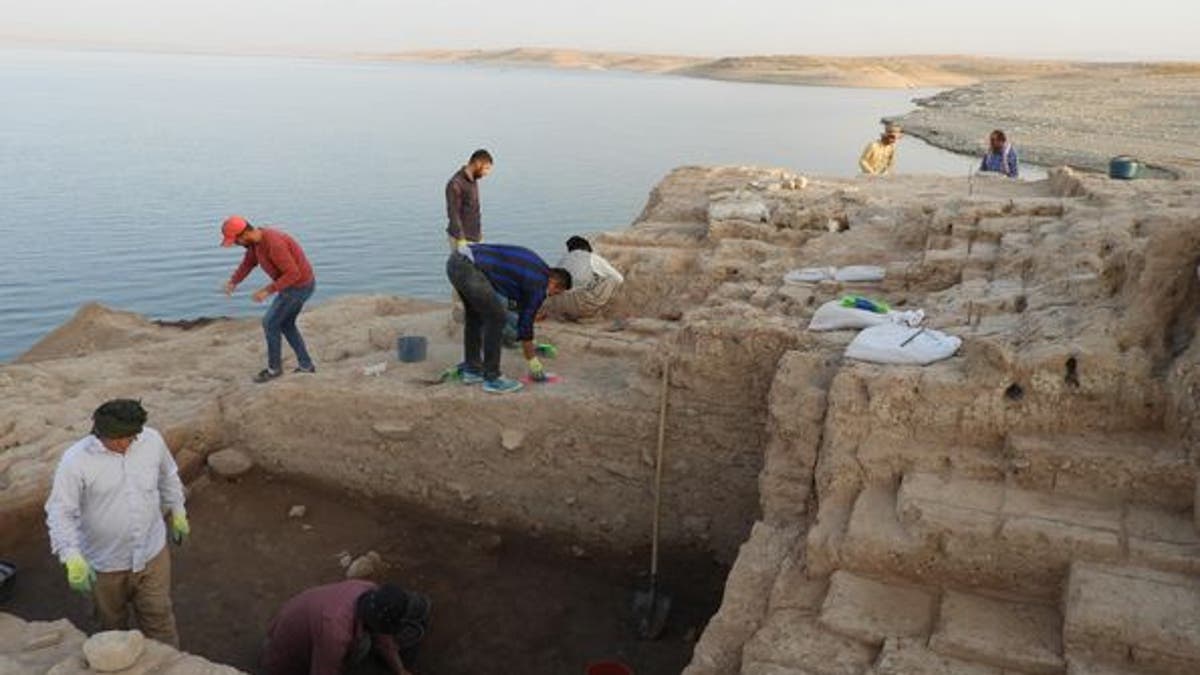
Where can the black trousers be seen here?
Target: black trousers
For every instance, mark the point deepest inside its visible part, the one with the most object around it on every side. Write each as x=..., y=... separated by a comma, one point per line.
x=483, y=330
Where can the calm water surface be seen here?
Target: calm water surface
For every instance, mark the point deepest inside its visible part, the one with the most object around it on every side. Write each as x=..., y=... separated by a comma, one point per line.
x=116, y=169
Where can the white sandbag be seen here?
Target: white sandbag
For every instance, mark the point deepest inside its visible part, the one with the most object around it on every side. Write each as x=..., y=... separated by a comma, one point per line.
x=833, y=316
x=855, y=273
x=886, y=343
x=809, y=275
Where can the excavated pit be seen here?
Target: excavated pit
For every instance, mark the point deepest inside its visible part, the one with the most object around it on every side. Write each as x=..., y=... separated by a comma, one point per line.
x=505, y=601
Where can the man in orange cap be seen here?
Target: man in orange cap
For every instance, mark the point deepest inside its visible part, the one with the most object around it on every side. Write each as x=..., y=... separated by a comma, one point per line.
x=292, y=280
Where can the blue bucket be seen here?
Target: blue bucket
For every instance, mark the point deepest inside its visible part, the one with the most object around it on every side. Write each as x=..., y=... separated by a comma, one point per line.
x=1124, y=168
x=411, y=348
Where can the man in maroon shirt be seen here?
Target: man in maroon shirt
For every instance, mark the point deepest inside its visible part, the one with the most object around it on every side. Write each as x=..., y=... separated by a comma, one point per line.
x=331, y=629
x=292, y=280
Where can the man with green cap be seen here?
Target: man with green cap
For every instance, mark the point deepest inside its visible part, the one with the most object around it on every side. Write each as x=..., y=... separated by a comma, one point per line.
x=105, y=515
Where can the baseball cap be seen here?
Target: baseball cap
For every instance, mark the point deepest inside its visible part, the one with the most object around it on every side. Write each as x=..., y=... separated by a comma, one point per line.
x=231, y=228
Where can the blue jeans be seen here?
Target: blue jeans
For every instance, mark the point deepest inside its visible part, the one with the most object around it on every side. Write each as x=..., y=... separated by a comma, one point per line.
x=280, y=320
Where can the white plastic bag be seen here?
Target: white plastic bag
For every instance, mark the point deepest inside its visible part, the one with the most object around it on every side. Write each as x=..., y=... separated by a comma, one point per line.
x=859, y=273
x=897, y=344
x=809, y=275
x=833, y=316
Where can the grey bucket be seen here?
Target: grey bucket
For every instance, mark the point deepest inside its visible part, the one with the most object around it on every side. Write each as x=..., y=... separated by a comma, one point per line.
x=411, y=348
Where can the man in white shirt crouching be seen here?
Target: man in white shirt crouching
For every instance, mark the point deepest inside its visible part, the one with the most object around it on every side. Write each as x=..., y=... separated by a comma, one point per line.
x=594, y=281
x=105, y=515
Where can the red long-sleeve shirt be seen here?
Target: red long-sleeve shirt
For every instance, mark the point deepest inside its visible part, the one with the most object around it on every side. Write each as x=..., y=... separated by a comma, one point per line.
x=281, y=257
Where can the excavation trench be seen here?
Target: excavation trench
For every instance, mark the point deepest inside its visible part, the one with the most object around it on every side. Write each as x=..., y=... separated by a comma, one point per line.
x=505, y=601
x=525, y=518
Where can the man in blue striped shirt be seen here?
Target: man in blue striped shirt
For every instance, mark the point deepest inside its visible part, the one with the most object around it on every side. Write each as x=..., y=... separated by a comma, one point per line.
x=478, y=272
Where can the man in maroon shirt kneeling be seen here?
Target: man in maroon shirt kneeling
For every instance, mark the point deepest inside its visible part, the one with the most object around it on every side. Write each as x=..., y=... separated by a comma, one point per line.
x=329, y=630
x=292, y=279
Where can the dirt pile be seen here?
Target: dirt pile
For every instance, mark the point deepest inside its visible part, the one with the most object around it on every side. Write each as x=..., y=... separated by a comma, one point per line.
x=890, y=519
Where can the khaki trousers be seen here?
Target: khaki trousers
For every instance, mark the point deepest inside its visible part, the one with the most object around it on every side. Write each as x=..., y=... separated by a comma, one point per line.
x=582, y=303
x=149, y=593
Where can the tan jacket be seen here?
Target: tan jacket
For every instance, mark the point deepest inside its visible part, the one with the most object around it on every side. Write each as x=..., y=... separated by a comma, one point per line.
x=877, y=158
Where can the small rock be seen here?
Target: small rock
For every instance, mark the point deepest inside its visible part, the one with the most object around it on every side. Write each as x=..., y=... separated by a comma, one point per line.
x=578, y=551
x=392, y=429
x=297, y=511
x=229, y=463
x=365, y=566
x=114, y=650
x=570, y=501
x=42, y=640
x=511, y=439
x=344, y=559
x=306, y=527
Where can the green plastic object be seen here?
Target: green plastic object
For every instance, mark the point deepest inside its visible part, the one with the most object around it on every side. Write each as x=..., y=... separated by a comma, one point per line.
x=547, y=350
x=859, y=302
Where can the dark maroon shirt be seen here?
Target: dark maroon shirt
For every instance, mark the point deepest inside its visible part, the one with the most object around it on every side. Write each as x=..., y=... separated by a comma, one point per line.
x=462, y=207
x=313, y=632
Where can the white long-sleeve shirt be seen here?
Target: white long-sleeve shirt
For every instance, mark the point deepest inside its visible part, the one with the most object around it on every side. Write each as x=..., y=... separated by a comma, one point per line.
x=109, y=506
x=586, y=267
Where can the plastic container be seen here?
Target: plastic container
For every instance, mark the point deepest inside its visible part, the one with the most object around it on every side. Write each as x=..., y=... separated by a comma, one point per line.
x=1124, y=167
x=608, y=668
x=411, y=348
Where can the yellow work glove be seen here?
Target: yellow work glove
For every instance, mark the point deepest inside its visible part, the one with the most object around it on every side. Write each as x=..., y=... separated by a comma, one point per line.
x=536, y=370
x=80, y=574
x=179, y=528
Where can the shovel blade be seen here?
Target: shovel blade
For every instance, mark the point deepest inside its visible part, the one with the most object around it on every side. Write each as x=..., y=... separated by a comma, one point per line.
x=650, y=611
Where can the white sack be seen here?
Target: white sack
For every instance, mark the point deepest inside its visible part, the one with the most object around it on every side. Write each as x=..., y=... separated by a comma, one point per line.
x=882, y=344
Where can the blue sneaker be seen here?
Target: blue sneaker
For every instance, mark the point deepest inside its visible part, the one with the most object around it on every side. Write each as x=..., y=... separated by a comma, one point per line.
x=502, y=385
x=469, y=376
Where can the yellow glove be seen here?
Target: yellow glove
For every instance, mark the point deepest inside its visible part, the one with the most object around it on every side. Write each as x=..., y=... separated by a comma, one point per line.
x=80, y=574
x=536, y=370
x=179, y=528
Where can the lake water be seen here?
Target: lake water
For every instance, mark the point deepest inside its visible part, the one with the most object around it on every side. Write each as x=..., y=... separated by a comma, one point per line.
x=116, y=169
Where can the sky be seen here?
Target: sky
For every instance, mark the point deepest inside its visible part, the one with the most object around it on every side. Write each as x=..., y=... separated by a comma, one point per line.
x=1084, y=29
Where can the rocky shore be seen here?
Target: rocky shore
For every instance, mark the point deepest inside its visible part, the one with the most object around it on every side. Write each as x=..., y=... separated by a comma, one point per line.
x=1080, y=119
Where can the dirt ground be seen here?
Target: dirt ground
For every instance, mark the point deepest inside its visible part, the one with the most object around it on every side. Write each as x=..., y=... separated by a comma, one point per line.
x=511, y=603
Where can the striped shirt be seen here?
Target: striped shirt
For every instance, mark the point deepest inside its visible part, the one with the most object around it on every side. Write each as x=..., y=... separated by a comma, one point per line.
x=519, y=275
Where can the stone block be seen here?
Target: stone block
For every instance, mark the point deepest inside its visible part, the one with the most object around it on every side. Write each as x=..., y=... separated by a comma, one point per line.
x=871, y=611
x=940, y=506
x=1061, y=509
x=791, y=638
x=1086, y=666
x=1112, y=610
x=911, y=657
x=1055, y=543
x=1000, y=633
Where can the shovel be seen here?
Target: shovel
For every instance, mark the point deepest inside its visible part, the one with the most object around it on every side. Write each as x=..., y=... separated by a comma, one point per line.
x=651, y=606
